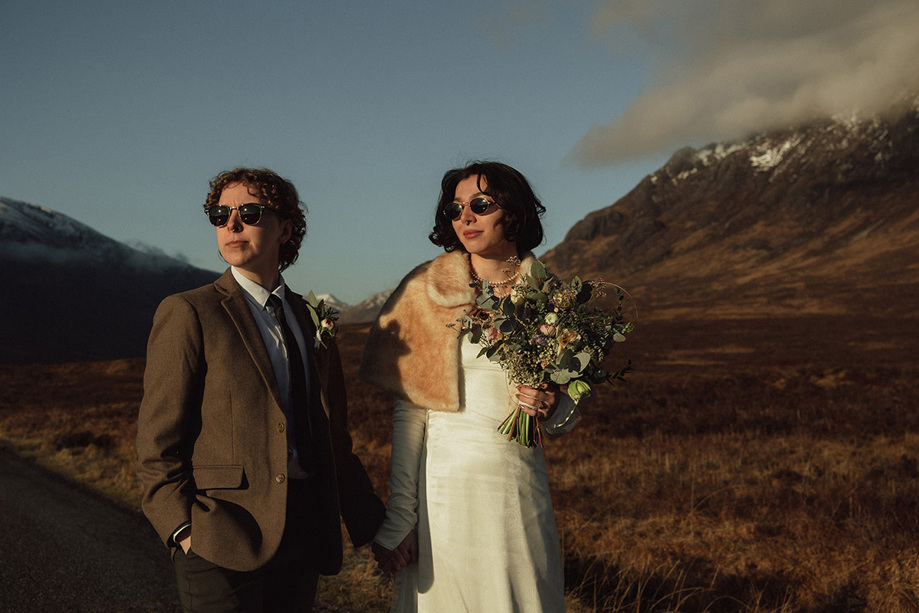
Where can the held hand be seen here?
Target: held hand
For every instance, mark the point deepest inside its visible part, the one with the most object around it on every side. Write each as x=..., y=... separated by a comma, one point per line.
x=387, y=560
x=393, y=561
x=408, y=548
x=383, y=557
x=540, y=401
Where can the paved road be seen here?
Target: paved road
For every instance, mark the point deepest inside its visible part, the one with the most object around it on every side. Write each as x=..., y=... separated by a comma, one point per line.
x=63, y=548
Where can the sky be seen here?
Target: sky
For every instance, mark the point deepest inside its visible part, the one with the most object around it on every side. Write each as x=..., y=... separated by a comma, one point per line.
x=118, y=113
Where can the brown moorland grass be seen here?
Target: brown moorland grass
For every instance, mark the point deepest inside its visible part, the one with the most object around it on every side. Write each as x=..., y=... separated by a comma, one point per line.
x=747, y=465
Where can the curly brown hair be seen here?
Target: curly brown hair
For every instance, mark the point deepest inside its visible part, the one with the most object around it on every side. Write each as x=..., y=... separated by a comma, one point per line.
x=278, y=193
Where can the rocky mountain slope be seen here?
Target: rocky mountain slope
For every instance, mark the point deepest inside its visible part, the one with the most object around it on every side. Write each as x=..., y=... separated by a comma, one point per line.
x=71, y=293
x=822, y=219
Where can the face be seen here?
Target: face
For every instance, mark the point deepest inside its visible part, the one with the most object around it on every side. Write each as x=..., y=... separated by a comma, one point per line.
x=253, y=249
x=481, y=235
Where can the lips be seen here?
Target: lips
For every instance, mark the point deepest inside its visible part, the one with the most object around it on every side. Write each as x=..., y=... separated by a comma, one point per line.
x=471, y=233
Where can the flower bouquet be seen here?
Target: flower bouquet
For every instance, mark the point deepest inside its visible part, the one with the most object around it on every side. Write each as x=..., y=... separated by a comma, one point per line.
x=324, y=318
x=543, y=331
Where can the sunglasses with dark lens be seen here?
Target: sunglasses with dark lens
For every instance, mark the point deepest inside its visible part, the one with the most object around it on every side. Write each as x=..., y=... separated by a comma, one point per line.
x=479, y=206
x=249, y=214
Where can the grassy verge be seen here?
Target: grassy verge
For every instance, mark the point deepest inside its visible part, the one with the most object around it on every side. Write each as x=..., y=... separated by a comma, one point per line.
x=753, y=489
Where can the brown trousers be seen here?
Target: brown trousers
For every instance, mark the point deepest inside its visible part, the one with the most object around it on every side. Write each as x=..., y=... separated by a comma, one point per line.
x=287, y=583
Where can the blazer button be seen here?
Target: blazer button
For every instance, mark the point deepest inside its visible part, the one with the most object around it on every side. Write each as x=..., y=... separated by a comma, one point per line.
x=281, y=426
x=280, y=478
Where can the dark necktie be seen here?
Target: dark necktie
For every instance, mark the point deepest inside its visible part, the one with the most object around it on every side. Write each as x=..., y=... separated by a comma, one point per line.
x=300, y=408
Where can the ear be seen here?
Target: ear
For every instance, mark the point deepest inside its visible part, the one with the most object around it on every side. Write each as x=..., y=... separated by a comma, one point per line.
x=287, y=230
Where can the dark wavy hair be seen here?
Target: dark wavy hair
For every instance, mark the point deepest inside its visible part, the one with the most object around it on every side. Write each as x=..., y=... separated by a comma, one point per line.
x=507, y=187
x=278, y=193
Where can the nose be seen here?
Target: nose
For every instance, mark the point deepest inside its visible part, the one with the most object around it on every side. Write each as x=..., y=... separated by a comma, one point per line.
x=234, y=223
x=467, y=216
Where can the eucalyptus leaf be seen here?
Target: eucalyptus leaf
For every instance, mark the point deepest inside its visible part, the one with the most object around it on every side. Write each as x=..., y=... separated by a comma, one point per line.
x=563, y=376
x=538, y=270
x=564, y=360
x=582, y=359
x=619, y=338
x=506, y=326
x=314, y=315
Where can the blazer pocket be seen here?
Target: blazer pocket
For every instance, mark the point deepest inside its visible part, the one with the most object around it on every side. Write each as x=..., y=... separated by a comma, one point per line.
x=223, y=477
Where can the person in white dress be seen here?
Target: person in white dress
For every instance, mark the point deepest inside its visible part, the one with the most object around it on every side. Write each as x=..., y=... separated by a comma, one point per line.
x=469, y=524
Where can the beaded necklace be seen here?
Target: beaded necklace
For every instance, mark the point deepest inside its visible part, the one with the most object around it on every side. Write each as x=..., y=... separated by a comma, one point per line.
x=479, y=280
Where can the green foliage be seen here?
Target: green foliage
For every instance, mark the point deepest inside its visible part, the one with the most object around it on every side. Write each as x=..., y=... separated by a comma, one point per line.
x=546, y=331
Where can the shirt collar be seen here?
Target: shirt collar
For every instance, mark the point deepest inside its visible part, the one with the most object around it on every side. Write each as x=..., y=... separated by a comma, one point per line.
x=255, y=292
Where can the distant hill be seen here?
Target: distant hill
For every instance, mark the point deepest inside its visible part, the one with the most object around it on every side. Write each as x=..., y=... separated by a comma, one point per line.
x=365, y=311
x=331, y=301
x=811, y=221
x=822, y=219
x=71, y=293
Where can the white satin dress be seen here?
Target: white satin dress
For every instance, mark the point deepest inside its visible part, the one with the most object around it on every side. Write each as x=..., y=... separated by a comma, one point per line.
x=486, y=531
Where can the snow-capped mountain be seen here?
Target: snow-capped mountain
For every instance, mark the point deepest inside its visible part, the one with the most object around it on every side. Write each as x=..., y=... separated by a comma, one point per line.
x=367, y=310
x=72, y=293
x=29, y=231
x=335, y=303
x=29, y=223
x=803, y=218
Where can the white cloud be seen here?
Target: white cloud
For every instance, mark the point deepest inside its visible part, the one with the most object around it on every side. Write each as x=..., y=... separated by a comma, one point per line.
x=724, y=69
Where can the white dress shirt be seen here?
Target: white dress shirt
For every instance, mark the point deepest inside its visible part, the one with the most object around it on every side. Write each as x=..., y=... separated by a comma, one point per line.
x=270, y=329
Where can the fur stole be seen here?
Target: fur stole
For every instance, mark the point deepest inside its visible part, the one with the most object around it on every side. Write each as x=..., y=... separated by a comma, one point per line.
x=410, y=351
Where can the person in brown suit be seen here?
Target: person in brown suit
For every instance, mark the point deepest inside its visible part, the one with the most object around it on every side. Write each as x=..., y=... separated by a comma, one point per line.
x=242, y=436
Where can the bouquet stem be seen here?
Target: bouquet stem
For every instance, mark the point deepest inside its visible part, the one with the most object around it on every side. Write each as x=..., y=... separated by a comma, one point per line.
x=523, y=428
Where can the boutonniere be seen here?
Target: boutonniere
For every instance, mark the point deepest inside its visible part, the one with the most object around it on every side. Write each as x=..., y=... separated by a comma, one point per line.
x=324, y=319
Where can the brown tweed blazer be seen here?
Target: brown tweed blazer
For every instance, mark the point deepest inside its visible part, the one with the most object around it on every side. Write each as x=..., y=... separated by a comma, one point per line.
x=211, y=440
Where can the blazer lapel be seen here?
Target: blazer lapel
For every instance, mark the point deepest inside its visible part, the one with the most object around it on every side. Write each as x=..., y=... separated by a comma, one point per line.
x=238, y=310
